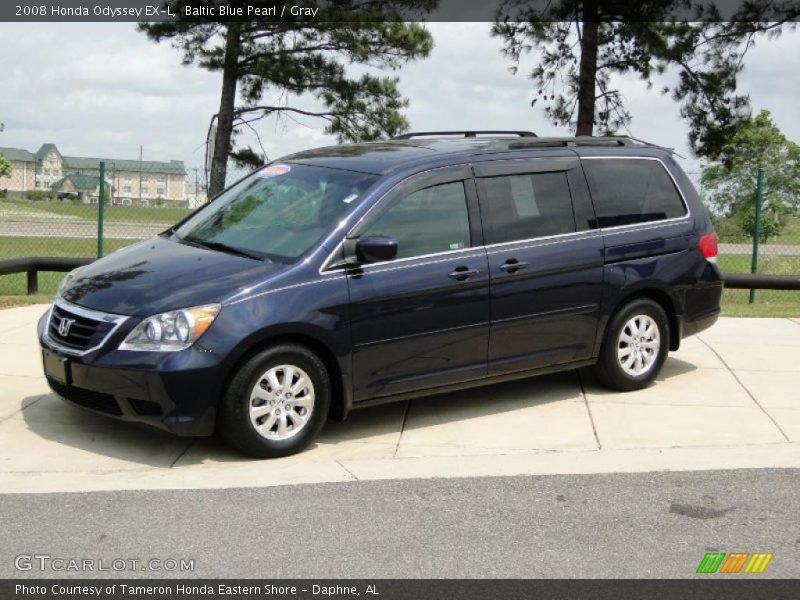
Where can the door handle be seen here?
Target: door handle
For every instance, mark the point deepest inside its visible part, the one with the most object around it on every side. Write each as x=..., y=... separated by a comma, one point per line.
x=462, y=273
x=512, y=265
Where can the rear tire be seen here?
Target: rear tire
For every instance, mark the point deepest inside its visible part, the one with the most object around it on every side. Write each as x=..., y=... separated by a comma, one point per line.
x=635, y=346
x=276, y=402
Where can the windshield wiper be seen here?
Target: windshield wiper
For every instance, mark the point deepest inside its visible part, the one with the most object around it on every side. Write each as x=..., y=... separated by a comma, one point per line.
x=221, y=247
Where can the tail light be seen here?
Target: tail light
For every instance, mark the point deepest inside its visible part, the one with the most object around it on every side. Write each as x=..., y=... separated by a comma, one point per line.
x=708, y=246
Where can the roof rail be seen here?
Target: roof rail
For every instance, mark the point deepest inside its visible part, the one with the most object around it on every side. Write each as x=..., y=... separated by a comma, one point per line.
x=466, y=134
x=564, y=142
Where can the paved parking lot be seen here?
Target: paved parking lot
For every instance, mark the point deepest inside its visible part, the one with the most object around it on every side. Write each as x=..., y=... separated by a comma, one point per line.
x=728, y=399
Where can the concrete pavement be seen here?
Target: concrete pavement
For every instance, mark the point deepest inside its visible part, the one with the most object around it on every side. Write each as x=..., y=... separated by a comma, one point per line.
x=727, y=399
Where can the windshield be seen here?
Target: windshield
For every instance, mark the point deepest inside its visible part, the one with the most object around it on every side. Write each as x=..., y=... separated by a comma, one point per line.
x=278, y=212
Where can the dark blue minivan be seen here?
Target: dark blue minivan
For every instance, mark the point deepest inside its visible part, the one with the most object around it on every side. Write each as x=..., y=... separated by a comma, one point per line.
x=352, y=275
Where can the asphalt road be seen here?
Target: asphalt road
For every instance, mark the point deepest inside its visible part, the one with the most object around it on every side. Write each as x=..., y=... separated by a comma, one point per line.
x=619, y=525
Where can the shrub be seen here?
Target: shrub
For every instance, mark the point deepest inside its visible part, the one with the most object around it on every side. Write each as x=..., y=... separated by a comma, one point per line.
x=729, y=230
x=40, y=195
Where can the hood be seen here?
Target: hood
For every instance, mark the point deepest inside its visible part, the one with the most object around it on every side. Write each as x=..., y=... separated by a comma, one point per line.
x=159, y=275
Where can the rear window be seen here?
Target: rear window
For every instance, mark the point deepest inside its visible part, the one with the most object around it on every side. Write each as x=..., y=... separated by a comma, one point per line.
x=520, y=207
x=627, y=191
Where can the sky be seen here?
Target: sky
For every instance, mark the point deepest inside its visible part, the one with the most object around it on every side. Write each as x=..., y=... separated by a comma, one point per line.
x=105, y=90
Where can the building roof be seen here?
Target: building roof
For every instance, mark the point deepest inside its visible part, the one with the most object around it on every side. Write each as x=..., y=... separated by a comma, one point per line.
x=82, y=183
x=175, y=167
x=45, y=150
x=17, y=154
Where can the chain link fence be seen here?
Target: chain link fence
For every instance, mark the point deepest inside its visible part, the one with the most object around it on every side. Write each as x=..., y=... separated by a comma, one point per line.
x=51, y=209
x=767, y=244
x=777, y=256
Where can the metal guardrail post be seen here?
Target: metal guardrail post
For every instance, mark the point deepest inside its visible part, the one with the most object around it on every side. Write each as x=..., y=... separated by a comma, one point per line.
x=757, y=227
x=33, y=282
x=101, y=200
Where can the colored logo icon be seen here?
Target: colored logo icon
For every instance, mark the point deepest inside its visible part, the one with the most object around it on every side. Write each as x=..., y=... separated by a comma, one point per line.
x=734, y=562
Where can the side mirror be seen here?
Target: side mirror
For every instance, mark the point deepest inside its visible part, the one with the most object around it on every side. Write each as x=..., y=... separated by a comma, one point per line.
x=376, y=248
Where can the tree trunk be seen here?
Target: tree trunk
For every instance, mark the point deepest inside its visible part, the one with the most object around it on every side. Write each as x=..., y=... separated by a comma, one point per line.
x=587, y=76
x=227, y=102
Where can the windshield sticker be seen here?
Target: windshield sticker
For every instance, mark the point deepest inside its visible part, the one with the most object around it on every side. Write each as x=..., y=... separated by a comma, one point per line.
x=350, y=198
x=274, y=170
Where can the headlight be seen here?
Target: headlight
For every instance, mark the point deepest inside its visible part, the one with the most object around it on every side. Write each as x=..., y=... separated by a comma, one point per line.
x=171, y=331
x=70, y=277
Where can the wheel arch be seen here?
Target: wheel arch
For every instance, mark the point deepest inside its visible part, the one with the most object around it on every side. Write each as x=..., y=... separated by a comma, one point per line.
x=661, y=297
x=316, y=343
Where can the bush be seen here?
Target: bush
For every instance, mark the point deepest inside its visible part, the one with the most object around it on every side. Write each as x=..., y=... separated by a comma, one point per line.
x=729, y=230
x=40, y=196
x=773, y=220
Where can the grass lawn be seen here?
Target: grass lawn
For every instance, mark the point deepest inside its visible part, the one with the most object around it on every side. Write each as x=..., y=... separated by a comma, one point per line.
x=767, y=264
x=768, y=303
x=27, y=210
x=730, y=231
x=13, y=288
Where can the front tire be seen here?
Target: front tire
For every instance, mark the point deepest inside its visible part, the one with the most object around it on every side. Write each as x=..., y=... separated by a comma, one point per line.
x=634, y=347
x=276, y=402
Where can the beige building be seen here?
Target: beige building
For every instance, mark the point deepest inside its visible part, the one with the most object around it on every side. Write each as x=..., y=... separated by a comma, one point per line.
x=138, y=182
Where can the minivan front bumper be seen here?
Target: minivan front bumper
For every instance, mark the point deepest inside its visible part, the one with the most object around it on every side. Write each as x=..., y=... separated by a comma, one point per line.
x=178, y=395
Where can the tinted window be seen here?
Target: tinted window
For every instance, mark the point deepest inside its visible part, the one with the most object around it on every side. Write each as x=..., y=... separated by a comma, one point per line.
x=519, y=207
x=632, y=191
x=428, y=221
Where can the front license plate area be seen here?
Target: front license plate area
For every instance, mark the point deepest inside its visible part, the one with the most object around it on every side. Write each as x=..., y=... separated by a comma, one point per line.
x=56, y=367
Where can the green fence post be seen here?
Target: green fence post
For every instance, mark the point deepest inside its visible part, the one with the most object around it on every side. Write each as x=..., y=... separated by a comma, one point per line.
x=757, y=226
x=101, y=200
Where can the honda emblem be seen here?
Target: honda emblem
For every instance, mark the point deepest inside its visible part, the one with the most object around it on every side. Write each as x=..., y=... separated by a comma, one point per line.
x=64, y=325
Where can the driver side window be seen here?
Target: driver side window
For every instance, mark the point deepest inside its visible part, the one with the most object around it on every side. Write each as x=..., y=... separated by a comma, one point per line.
x=428, y=221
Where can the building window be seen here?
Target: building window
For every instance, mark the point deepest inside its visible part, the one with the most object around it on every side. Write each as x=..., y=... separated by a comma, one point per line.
x=126, y=189
x=161, y=178
x=161, y=192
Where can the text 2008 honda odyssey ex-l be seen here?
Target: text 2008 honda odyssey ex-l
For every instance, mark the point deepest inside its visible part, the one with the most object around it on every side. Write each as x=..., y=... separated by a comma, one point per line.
x=348, y=276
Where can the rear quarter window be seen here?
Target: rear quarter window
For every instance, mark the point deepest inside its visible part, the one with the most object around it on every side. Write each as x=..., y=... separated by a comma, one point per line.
x=629, y=191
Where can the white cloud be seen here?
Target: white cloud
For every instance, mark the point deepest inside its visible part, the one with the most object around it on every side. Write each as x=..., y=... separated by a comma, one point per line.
x=104, y=89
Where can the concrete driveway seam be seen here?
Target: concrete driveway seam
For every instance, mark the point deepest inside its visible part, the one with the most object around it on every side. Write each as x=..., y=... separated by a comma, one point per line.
x=746, y=389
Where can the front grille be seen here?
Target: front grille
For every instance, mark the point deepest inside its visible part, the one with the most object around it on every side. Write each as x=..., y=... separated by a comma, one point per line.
x=82, y=333
x=94, y=400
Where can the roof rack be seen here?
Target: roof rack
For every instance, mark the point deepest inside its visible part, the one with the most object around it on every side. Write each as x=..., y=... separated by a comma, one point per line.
x=565, y=142
x=466, y=134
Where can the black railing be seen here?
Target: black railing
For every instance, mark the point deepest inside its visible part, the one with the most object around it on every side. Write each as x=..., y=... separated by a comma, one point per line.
x=33, y=264
x=746, y=281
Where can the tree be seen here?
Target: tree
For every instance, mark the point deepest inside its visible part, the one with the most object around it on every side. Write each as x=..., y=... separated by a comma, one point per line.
x=730, y=182
x=583, y=43
x=285, y=59
x=5, y=166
